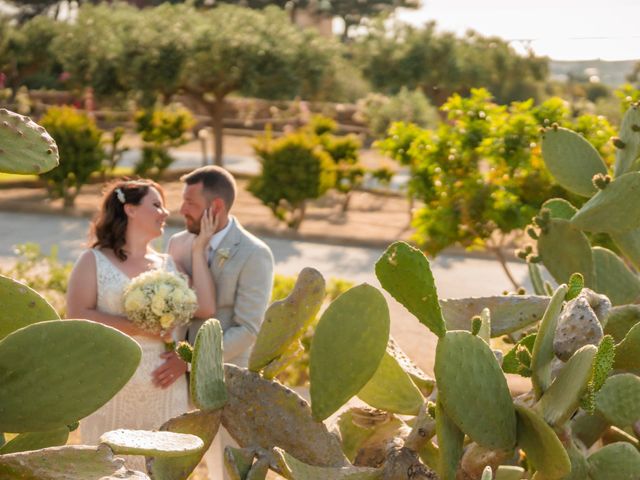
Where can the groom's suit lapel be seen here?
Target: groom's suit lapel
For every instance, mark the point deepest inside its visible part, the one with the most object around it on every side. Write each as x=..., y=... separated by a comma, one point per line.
x=226, y=250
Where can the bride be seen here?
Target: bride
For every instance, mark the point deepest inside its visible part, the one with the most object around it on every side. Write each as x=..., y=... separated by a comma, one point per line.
x=132, y=214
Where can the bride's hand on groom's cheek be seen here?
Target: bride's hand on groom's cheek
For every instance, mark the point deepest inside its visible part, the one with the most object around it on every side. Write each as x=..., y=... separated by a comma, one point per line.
x=170, y=371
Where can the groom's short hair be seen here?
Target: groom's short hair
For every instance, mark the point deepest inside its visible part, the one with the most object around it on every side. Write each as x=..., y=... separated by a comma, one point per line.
x=216, y=183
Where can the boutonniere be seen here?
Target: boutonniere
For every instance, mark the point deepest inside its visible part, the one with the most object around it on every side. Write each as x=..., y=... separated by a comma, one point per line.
x=223, y=254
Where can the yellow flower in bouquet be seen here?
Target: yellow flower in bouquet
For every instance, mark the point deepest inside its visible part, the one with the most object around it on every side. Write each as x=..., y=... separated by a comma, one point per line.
x=158, y=301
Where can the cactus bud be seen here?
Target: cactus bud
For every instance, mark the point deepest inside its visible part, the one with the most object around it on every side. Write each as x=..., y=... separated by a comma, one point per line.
x=523, y=355
x=185, y=351
x=635, y=127
x=431, y=409
x=521, y=254
x=528, y=249
x=555, y=126
x=600, y=181
x=476, y=323
x=522, y=291
x=617, y=141
x=576, y=284
x=542, y=220
x=73, y=426
x=534, y=259
x=532, y=233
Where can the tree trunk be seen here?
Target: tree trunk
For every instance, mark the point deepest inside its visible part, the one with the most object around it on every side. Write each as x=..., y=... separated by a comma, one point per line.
x=499, y=252
x=216, y=111
x=347, y=200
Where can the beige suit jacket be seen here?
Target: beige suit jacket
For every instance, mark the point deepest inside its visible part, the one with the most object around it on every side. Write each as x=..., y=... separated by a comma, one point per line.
x=242, y=270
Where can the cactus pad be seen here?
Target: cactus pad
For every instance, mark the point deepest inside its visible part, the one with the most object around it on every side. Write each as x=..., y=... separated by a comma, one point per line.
x=26, y=147
x=142, y=442
x=286, y=320
x=450, y=442
x=508, y=312
x=572, y=160
x=207, y=377
x=423, y=381
x=73, y=368
x=542, y=446
x=616, y=461
x=629, y=245
x=628, y=352
x=238, y=461
x=614, y=279
x=203, y=424
x=21, y=306
x=464, y=364
x=36, y=440
x=562, y=398
x=560, y=208
x=566, y=250
x=77, y=462
x=620, y=321
x=404, y=272
x=391, y=389
x=349, y=342
x=513, y=364
x=625, y=157
x=265, y=413
x=543, y=355
x=618, y=401
x=616, y=209
x=294, y=469
x=508, y=472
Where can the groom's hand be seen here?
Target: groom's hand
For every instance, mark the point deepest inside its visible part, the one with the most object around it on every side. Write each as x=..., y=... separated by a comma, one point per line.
x=172, y=369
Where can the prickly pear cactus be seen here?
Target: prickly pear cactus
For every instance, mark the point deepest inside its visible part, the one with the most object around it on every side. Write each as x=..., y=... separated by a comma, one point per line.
x=70, y=372
x=21, y=306
x=286, y=320
x=25, y=146
x=351, y=338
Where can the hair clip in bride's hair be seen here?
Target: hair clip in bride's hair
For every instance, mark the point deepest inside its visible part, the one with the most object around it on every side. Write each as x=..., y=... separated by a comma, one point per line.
x=120, y=195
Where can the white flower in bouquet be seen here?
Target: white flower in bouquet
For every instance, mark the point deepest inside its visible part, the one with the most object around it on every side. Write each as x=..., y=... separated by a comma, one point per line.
x=157, y=301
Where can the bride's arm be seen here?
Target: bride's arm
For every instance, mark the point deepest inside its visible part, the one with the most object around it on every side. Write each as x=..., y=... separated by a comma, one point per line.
x=82, y=296
x=202, y=279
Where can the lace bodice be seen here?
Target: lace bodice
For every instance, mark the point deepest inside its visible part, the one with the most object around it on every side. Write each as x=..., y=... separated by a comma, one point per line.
x=111, y=282
x=140, y=405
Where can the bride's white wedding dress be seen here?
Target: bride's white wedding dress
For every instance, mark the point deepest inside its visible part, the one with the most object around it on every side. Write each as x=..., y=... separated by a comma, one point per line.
x=140, y=405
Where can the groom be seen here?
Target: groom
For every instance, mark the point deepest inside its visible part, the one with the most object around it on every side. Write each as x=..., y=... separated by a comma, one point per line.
x=241, y=265
x=242, y=269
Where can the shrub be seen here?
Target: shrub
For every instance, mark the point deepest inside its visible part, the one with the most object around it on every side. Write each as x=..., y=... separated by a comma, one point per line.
x=379, y=111
x=161, y=129
x=81, y=154
x=295, y=169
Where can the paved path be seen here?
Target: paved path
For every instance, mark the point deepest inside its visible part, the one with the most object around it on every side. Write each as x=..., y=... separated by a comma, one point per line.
x=456, y=276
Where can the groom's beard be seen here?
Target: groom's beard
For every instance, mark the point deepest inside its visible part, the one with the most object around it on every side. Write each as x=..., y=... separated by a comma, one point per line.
x=193, y=225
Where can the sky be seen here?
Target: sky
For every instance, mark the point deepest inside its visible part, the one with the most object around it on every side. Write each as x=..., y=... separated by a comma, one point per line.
x=560, y=29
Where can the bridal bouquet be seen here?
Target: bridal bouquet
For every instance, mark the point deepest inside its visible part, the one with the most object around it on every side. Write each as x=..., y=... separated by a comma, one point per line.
x=157, y=301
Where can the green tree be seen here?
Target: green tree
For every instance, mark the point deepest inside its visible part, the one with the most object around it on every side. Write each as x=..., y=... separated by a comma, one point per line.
x=479, y=174
x=26, y=53
x=440, y=64
x=353, y=12
x=256, y=53
x=91, y=49
x=81, y=153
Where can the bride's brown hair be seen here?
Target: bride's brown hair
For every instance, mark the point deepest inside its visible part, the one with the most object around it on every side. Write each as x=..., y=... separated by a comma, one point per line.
x=109, y=227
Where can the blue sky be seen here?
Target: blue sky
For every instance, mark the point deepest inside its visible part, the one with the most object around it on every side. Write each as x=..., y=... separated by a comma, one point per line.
x=561, y=29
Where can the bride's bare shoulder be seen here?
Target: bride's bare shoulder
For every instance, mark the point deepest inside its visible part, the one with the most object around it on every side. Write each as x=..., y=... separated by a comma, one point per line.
x=179, y=241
